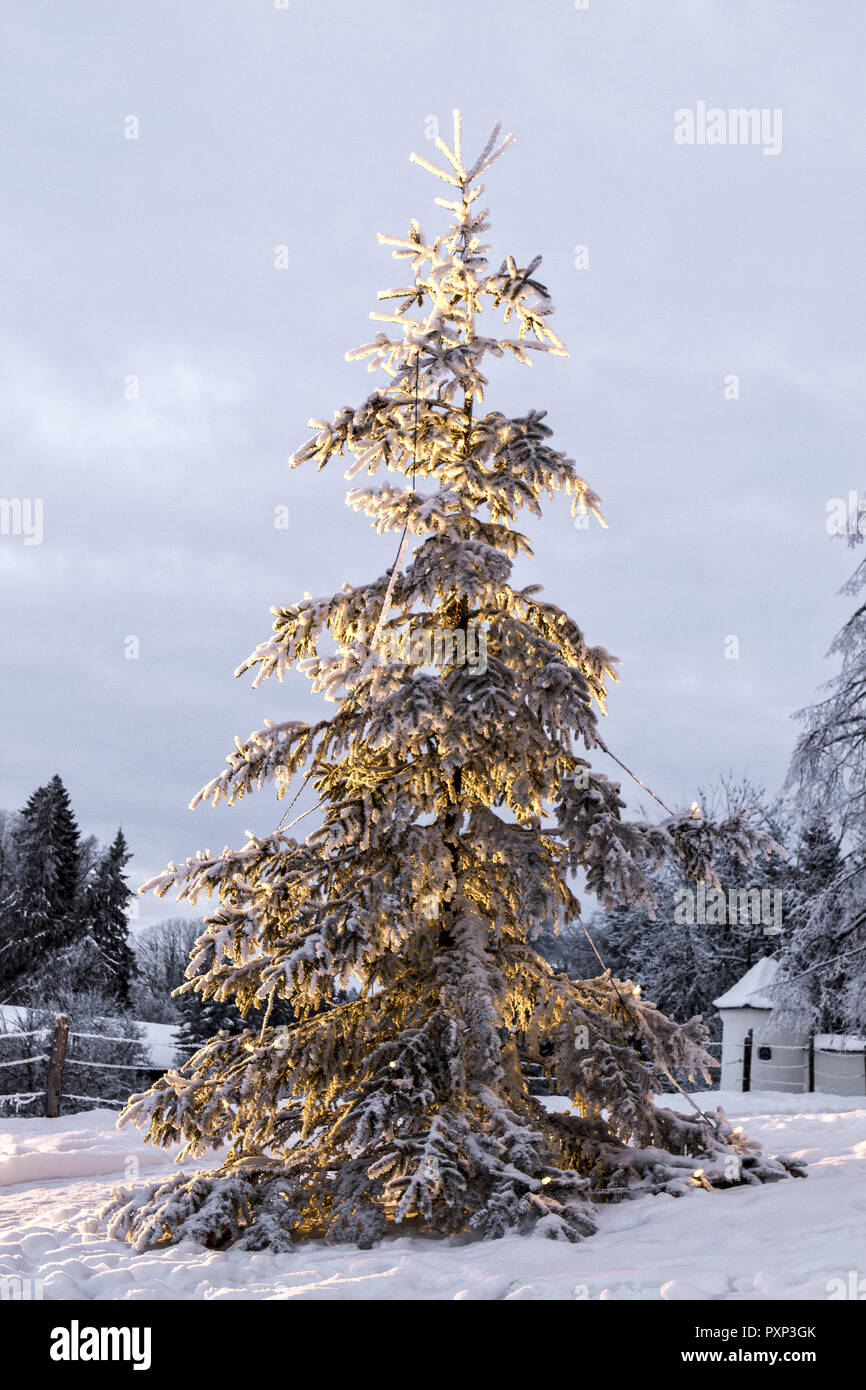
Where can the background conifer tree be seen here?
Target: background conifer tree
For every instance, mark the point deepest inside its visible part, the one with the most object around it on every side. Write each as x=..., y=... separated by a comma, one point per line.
x=455, y=805
x=823, y=975
x=107, y=896
x=817, y=974
x=41, y=909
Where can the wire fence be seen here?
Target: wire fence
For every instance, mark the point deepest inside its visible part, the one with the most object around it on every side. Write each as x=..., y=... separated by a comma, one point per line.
x=57, y=1061
x=759, y=1060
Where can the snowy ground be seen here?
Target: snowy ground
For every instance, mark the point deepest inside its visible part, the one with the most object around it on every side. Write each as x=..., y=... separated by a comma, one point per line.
x=785, y=1240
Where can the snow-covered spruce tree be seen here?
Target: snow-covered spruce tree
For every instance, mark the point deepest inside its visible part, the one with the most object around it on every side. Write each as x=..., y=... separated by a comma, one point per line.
x=40, y=916
x=106, y=896
x=814, y=982
x=454, y=807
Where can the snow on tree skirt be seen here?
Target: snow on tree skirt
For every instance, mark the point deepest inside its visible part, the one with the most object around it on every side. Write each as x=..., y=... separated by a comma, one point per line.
x=256, y=1203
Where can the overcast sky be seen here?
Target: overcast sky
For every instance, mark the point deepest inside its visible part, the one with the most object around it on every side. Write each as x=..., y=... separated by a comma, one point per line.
x=154, y=258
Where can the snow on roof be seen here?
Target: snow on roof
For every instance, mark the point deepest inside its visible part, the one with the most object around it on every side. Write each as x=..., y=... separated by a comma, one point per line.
x=746, y=993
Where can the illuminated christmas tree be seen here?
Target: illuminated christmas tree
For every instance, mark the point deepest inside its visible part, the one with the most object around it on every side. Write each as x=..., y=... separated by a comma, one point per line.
x=454, y=809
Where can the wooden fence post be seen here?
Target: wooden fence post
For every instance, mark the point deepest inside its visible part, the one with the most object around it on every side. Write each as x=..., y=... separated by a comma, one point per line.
x=747, y=1061
x=54, y=1080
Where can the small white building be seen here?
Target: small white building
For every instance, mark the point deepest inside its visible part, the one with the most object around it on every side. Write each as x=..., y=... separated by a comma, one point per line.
x=760, y=1054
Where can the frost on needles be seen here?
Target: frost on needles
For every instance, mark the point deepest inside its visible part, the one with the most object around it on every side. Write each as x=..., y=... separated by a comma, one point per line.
x=454, y=808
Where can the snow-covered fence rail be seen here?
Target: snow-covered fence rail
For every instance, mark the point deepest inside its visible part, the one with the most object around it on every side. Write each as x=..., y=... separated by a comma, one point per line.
x=23, y=1067
x=57, y=1061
